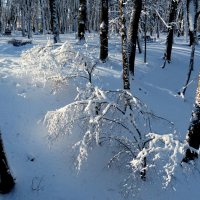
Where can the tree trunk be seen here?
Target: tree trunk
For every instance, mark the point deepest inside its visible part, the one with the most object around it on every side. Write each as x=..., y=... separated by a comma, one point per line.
x=193, y=135
x=169, y=41
x=0, y=17
x=104, y=31
x=23, y=19
x=82, y=20
x=42, y=6
x=29, y=18
x=132, y=33
x=192, y=10
x=54, y=20
x=124, y=45
x=157, y=27
x=193, y=26
x=6, y=180
x=139, y=44
x=185, y=18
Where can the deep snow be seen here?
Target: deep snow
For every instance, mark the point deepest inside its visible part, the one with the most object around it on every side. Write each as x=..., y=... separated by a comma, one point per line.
x=45, y=170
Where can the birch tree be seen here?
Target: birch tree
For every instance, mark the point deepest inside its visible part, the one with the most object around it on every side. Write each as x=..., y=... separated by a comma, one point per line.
x=125, y=61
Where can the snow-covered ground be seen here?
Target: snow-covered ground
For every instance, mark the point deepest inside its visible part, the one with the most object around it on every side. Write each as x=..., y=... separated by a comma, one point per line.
x=45, y=169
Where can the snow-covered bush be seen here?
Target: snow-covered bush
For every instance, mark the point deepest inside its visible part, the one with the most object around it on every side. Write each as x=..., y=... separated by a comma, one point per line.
x=163, y=153
x=58, y=65
x=124, y=124
x=111, y=117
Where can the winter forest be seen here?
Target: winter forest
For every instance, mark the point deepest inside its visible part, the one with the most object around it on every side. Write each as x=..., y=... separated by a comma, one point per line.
x=100, y=99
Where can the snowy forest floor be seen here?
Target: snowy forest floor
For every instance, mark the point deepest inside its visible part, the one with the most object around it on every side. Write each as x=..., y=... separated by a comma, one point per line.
x=45, y=170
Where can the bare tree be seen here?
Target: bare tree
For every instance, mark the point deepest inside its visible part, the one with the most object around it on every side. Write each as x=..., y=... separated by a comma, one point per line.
x=29, y=17
x=192, y=13
x=82, y=20
x=170, y=35
x=125, y=62
x=193, y=135
x=104, y=31
x=54, y=20
x=0, y=17
x=193, y=6
x=133, y=31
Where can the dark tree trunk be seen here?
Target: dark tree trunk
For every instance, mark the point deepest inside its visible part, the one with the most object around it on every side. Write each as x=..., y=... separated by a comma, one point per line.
x=193, y=39
x=104, y=30
x=23, y=8
x=170, y=36
x=132, y=33
x=193, y=135
x=192, y=27
x=192, y=22
x=6, y=180
x=29, y=18
x=0, y=17
x=54, y=20
x=157, y=27
x=124, y=45
x=139, y=45
x=82, y=17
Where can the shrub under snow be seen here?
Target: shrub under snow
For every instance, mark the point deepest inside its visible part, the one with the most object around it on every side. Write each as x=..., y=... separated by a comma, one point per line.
x=42, y=64
x=135, y=137
x=124, y=124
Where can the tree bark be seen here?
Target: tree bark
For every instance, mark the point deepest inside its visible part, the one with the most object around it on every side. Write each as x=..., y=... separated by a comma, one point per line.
x=125, y=62
x=192, y=41
x=82, y=20
x=170, y=36
x=42, y=6
x=193, y=135
x=193, y=13
x=54, y=20
x=6, y=180
x=104, y=31
x=28, y=5
x=185, y=19
x=0, y=17
x=132, y=33
x=23, y=18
